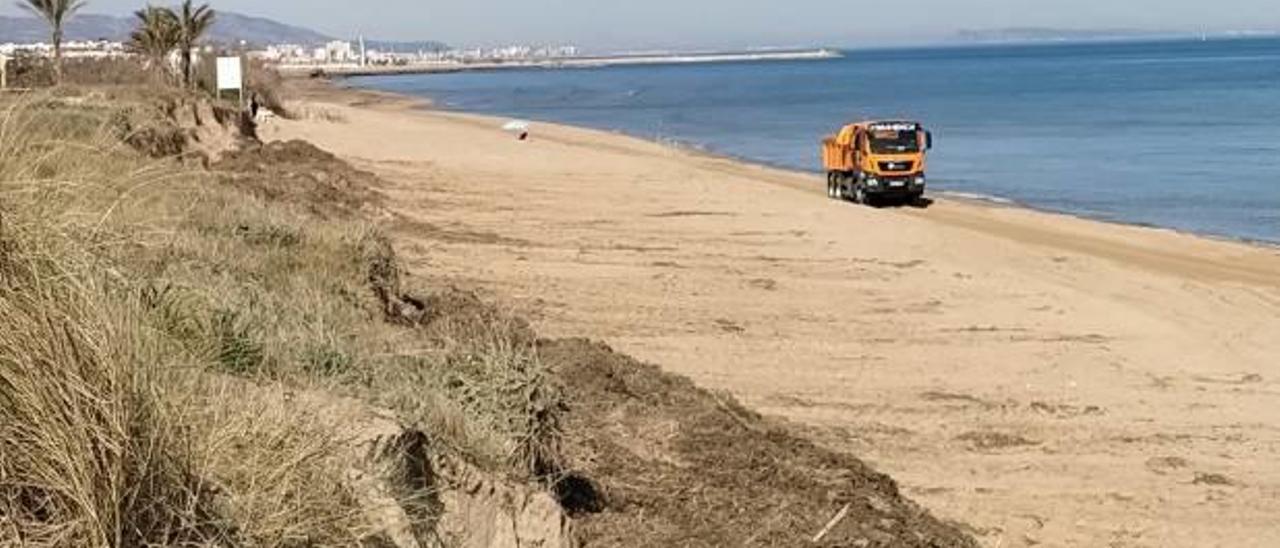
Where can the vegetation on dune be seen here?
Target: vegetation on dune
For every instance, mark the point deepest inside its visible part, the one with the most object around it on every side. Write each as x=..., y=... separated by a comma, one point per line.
x=147, y=309
x=55, y=13
x=160, y=33
x=107, y=435
x=161, y=30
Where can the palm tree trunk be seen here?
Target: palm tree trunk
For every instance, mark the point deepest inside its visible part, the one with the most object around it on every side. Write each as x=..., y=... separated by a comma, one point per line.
x=57, y=57
x=186, y=67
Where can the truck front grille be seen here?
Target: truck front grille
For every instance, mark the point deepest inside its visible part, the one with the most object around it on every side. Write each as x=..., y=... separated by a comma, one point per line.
x=897, y=166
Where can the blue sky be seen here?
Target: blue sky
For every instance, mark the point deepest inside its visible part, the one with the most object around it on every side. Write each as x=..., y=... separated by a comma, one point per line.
x=615, y=24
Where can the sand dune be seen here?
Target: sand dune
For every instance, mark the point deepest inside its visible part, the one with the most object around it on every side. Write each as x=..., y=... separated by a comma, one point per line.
x=1044, y=379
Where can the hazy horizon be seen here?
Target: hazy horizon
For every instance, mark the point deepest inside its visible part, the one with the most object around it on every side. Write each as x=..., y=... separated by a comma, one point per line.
x=721, y=23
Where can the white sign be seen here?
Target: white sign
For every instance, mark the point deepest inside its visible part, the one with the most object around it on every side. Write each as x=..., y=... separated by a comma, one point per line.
x=229, y=76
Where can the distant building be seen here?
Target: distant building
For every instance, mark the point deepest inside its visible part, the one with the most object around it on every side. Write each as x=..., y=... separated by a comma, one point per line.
x=70, y=49
x=339, y=51
x=280, y=52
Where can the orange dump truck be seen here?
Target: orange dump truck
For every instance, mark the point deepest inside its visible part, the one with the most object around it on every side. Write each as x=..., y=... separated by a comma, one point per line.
x=867, y=161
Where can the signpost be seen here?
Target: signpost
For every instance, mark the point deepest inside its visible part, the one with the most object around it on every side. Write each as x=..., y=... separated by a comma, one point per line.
x=230, y=76
x=4, y=72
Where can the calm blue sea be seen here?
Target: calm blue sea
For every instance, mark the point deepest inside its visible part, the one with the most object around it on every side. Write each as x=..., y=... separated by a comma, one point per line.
x=1174, y=134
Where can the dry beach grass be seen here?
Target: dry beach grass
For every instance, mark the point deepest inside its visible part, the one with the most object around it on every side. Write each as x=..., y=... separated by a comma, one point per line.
x=135, y=290
x=108, y=438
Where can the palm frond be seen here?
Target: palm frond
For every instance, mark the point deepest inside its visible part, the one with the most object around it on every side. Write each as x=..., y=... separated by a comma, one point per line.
x=195, y=21
x=55, y=12
x=158, y=32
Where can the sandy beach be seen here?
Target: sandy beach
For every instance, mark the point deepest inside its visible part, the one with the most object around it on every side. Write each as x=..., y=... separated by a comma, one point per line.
x=1044, y=379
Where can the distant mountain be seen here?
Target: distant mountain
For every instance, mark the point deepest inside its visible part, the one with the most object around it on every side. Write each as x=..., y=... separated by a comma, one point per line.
x=81, y=27
x=1038, y=34
x=231, y=28
x=228, y=28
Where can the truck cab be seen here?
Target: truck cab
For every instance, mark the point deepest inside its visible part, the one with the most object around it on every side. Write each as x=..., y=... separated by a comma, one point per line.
x=874, y=160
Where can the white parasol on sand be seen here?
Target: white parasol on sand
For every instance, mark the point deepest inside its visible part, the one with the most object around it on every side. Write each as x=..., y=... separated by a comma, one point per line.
x=516, y=126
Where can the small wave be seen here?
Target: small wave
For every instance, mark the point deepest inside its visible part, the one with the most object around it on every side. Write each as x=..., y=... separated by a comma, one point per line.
x=681, y=144
x=1205, y=59
x=977, y=197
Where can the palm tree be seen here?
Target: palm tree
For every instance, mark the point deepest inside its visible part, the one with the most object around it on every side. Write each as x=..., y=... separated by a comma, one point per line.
x=156, y=35
x=55, y=13
x=193, y=22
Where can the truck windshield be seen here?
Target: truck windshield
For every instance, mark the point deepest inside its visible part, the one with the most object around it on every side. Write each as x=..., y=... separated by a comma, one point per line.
x=893, y=142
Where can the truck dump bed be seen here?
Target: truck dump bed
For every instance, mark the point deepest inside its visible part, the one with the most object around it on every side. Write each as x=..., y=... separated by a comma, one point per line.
x=838, y=150
x=835, y=156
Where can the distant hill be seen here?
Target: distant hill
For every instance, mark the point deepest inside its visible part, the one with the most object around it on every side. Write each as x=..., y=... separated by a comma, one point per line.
x=81, y=27
x=228, y=28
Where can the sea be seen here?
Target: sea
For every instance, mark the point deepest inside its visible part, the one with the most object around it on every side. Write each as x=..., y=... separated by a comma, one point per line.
x=1176, y=134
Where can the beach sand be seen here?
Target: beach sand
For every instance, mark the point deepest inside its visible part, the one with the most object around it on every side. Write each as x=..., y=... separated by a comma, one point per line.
x=1045, y=379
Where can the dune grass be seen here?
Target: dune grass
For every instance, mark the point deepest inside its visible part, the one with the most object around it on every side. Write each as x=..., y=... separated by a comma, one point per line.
x=145, y=308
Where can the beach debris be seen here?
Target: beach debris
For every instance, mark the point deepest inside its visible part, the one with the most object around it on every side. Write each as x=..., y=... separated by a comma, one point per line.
x=1216, y=480
x=832, y=524
x=518, y=127
x=987, y=440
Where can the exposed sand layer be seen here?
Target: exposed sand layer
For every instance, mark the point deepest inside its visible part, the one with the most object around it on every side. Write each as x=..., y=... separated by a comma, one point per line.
x=1044, y=379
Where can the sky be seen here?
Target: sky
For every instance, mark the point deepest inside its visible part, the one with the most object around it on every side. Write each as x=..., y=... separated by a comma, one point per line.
x=640, y=24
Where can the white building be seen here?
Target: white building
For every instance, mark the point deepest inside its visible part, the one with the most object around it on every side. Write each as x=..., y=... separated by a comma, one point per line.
x=70, y=49
x=280, y=52
x=339, y=51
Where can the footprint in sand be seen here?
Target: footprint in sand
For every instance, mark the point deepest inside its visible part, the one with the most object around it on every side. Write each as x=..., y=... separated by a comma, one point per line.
x=1166, y=465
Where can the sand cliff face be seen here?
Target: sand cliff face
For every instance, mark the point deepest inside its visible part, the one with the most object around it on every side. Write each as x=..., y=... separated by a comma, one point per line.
x=415, y=494
x=1045, y=379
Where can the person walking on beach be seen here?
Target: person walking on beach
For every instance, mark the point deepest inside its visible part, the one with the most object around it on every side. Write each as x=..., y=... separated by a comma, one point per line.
x=253, y=105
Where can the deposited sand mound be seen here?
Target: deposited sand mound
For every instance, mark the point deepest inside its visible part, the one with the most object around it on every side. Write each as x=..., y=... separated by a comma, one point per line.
x=641, y=457
x=298, y=172
x=665, y=463
x=177, y=125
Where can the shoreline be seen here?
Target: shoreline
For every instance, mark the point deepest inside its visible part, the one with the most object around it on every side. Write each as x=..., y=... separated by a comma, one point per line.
x=353, y=70
x=975, y=199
